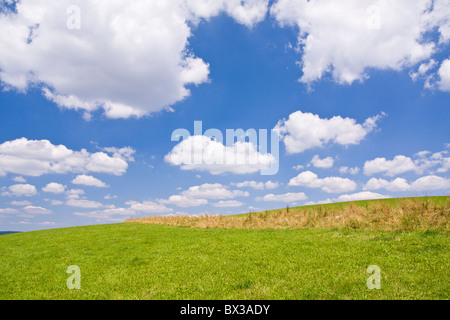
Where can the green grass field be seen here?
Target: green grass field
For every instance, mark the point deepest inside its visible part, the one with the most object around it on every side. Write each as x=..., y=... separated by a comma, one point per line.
x=146, y=261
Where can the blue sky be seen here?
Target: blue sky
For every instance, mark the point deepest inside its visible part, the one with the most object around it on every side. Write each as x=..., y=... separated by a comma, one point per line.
x=88, y=106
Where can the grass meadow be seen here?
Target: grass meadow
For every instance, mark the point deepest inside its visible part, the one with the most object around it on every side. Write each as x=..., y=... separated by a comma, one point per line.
x=134, y=260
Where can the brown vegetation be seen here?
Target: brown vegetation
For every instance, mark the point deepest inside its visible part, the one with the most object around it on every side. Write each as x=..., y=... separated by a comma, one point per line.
x=405, y=215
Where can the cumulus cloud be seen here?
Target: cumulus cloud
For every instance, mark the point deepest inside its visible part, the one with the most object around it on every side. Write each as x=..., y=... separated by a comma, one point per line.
x=257, y=185
x=55, y=188
x=322, y=163
x=352, y=171
x=303, y=131
x=228, y=204
x=330, y=184
x=38, y=157
x=129, y=59
x=21, y=190
x=184, y=202
x=286, y=198
x=444, y=76
x=423, y=161
x=202, y=153
x=83, y=203
x=89, y=181
x=398, y=184
x=108, y=215
x=426, y=183
x=36, y=210
x=199, y=195
x=400, y=164
x=149, y=207
x=366, y=195
x=346, y=38
x=8, y=211
x=214, y=191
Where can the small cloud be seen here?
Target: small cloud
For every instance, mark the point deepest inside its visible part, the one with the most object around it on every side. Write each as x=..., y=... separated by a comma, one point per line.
x=89, y=181
x=54, y=188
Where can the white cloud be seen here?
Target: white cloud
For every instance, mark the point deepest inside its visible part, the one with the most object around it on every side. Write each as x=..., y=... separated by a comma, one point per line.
x=228, y=204
x=214, y=191
x=303, y=131
x=330, y=184
x=184, y=202
x=55, y=188
x=199, y=195
x=83, y=203
x=56, y=203
x=400, y=164
x=148, y=207
x=269, y=185
x=89, y=181
x=424, y=161
x=202, y=153
x=149, y=38
x=430, y=183
x=444, y=75
x=38, y=157
x=21, y=190
x=396, y=185
x=109, y=215
x=427, y=183
x=19, y=179
x=21, y=203
x=286, y=198
x=36, y=210
x=322, y=163
x=8, y=211
x=346, y=38
x=366, y=195
x=352, y=171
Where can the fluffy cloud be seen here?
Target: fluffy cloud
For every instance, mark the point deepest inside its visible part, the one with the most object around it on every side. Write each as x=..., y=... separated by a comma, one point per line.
x=213, y=191
x=73, y=51
x=352, y=171
x=199, y=195
x=39, y=157
x=21, y=190
x=89, y=181
x=83, y=203
x=286, y=198
x=322, y=163
x=346, y=38
x=108, y=215
x=427, y=183
x=400, y=164
x=228, y=204
x=398, y=184
x=330, y=184
x=202, y=153
x=423, y=161
x=303, y=131
x=444, y=75
x=257, y=185
x=8, y=211
x=55, y=188
x=36, y=210
x=184, y=202
x=148, y=207
x=366, y=195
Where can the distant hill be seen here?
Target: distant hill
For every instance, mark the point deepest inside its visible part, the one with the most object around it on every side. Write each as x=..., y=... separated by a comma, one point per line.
x=8, y=232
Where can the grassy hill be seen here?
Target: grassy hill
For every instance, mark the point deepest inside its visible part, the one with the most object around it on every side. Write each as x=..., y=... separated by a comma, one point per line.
x=146, y=261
